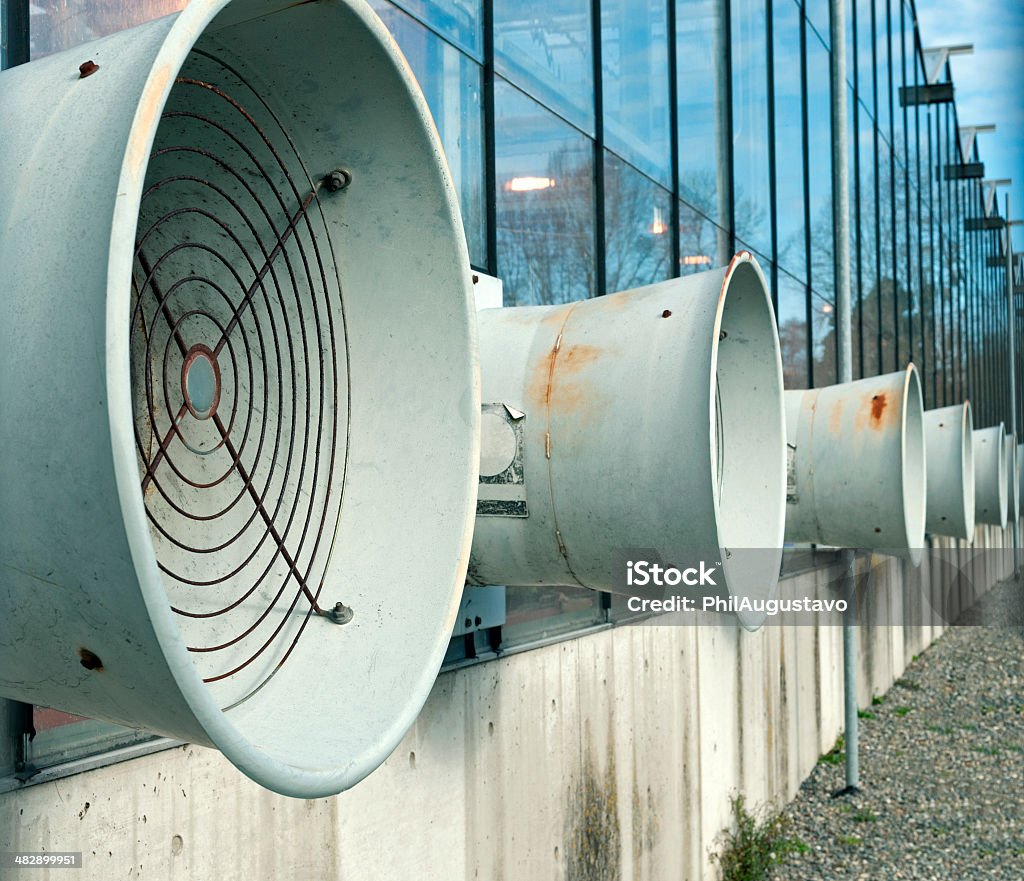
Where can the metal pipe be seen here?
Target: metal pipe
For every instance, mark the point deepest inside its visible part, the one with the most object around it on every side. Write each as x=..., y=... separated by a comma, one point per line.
x=844, y=350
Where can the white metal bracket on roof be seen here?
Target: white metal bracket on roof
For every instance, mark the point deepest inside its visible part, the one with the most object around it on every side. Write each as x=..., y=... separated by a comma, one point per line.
x=935, y=59
x=990, y=192
x=967, y=136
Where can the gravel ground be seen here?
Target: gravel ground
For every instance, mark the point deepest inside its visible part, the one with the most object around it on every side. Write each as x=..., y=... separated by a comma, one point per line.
x=942, y=767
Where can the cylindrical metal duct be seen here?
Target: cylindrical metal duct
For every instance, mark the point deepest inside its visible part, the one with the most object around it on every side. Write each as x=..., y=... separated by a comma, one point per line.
x=991, y=488
x=949, y=434
x=239, y=386
x=1020, y=469
x=857, y=464
x=645, y=419
x=1013, y=476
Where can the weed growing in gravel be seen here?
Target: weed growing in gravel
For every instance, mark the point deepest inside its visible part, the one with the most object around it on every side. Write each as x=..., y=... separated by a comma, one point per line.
x=850, y=840
x=901, y=711
x=866, y=714
x=877, y=700
x=757, y=841
x=834, y=756
x=938, y=729
x=865, y=815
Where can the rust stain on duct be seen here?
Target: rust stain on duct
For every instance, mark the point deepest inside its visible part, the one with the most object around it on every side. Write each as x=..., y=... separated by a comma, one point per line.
x=738, y=257
x=878, y=403
x=835, y=421
x=577, y=357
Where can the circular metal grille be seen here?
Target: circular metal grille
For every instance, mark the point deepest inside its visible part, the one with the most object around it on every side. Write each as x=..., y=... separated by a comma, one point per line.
x=239, y=377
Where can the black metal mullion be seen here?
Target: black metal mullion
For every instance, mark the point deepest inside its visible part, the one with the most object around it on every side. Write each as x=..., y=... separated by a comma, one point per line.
x=772, y=182
x=17, y=48
x=490, y=144
x=601, y=276
x=673, y=114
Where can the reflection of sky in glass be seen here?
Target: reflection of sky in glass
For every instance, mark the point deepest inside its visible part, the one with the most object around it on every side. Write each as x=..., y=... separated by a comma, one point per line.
x=882, y=69
x=750, y=123
x=789, y=140
x=818, y=18
x=868, y=253
x=819, y=166
x=702, y=110
x=461, y=21
x=865, y=62
x=635, y=63
x=638, y=228
x=544, y=46
x=545, y=228
x=451, y=83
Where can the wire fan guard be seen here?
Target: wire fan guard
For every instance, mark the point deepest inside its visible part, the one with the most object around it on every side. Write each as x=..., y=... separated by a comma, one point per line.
x=239, y=377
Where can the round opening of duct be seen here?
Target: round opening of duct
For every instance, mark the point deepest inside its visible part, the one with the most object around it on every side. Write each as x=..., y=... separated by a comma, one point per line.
x=914, y=465
x=269, y=485
x=748, y=435
x=967, y=469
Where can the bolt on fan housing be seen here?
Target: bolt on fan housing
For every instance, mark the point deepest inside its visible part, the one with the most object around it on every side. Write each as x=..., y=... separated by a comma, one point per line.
x=240, y=438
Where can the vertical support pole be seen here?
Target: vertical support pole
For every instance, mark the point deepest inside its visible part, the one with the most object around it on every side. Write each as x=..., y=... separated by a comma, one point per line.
x=1011, y=324
x=844, y=347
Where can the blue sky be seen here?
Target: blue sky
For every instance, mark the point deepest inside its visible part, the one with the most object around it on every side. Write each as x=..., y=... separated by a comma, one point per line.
x=990, y=83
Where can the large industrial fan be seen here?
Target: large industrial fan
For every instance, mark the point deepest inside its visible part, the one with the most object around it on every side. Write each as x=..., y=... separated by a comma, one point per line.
x=239, y=433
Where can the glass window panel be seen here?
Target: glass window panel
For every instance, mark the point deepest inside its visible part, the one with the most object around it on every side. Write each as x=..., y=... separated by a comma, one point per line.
x=461, y=21
x=869, y=316
x=703, y=112
x=823, y=341
x=452, y=85
x=789, y=141
x=702, y=244
x=545, y=203
x=61, y=737
x=865, y=54
x=638, y=228
x=634, y=59
x=882, y=67
x=793, y=339
x=545, y=46
x=57, y=24
x=818, y=18
x=887, y=256
x=751, y=183
x=819, y=163
x=537, y=613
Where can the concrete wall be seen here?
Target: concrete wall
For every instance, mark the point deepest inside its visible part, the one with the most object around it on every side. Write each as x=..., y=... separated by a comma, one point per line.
x=609, y=756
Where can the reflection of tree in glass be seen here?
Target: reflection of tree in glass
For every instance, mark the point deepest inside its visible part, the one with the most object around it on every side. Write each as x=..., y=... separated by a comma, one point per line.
x=638, y=244
x=793, y=343
x=699, y=238
x=546, y=236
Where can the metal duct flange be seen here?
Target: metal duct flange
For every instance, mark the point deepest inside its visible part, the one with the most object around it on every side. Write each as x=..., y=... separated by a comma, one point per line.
x=645, y=419
x=991, y=486
x=857, y=467
x=240, y=438
x=1013, y=476
x=949, y=434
